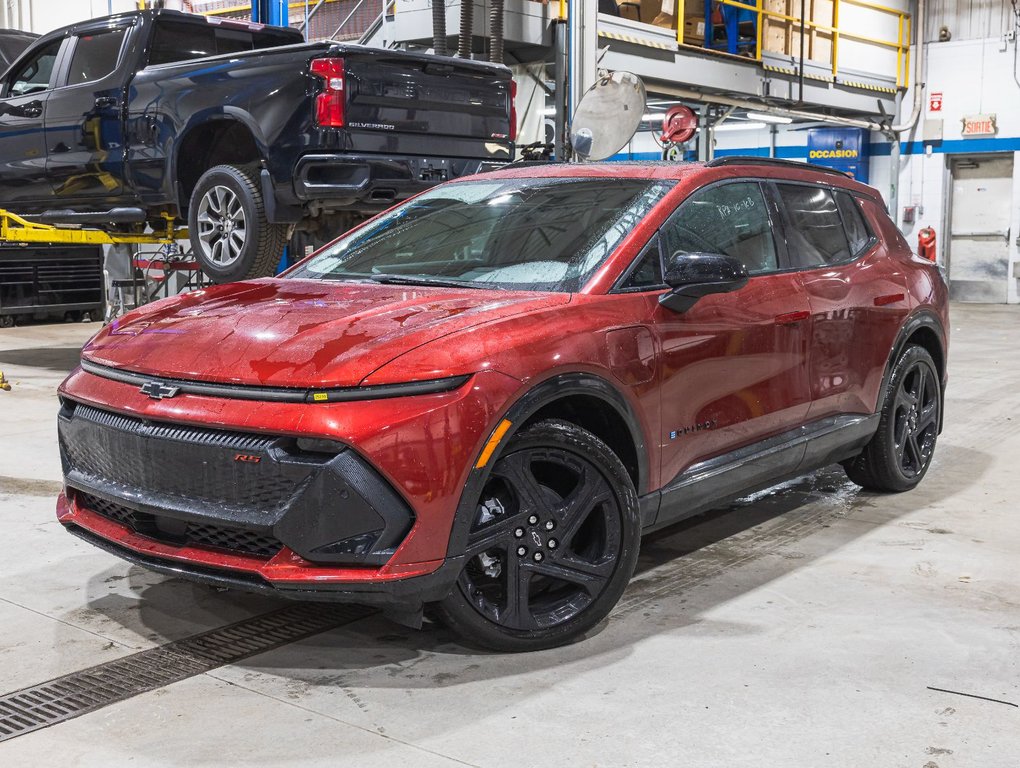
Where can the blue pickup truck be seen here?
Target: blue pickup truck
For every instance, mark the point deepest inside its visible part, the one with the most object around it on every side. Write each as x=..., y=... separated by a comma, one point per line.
x=244, y=131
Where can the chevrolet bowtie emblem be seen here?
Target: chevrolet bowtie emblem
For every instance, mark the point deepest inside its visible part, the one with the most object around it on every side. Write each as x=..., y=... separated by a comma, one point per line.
x=158, y=391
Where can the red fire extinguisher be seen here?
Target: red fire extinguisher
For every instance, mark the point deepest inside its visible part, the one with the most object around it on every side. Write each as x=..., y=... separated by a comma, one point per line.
x=926, y=244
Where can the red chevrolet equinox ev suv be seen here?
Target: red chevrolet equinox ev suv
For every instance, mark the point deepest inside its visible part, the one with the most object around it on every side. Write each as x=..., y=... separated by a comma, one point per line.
x=482, y=398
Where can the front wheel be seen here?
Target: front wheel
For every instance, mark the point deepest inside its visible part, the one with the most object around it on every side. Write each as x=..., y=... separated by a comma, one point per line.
x=553, y=542
x=900, y=453
x=230, y=235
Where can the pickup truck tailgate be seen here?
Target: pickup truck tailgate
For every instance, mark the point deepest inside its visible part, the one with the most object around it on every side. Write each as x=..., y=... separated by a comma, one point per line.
x=469, y=104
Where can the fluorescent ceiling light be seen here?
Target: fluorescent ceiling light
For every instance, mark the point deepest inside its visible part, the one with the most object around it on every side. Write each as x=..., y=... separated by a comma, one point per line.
x=750, y=126
x=765, y=117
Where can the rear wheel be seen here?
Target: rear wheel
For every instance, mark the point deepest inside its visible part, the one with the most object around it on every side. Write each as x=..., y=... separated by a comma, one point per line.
x=553, y=543
x=230, y=235
x=900, y=453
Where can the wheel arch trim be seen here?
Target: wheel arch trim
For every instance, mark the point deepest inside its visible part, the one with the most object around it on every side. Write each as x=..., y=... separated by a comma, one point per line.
x=225, y=114
x=924, y=318
x=557, y=387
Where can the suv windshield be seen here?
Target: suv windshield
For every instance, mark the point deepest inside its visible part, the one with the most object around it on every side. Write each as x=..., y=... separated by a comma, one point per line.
x=523, y=234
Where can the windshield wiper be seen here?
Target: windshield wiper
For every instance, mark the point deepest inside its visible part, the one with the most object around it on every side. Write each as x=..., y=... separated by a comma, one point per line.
x=419, y=280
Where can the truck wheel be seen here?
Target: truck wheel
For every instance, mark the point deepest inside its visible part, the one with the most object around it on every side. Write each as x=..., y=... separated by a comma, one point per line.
x=230, y=236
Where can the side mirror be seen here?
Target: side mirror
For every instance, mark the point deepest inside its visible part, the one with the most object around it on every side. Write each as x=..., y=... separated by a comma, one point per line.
x=693, y=275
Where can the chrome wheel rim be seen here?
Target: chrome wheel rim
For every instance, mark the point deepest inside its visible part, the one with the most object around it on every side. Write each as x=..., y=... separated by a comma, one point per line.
x=222, y=226
x=545, y=541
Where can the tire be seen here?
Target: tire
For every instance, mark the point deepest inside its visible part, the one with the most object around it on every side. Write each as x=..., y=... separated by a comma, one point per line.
x=559, y=517
x=230, y=235
x=901, y=450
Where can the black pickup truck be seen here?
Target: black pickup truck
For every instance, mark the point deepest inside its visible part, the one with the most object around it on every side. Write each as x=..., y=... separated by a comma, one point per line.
x=243, y=130
x=12, y=43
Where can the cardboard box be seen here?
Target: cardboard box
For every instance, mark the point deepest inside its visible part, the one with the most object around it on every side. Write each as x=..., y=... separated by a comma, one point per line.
x=694, y=31
x=821, y=40
x=777, y=34
x=659, y=13
x=783, y=36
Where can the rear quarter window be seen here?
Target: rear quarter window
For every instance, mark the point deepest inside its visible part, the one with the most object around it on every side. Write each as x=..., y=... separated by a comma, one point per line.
x=856, y=230
x=816, y=236
x=183, y=41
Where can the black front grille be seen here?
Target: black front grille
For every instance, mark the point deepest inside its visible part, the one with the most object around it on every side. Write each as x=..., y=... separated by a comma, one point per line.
x=116, y=512
x=192, y=465
x=230, y=490
x=238, y=540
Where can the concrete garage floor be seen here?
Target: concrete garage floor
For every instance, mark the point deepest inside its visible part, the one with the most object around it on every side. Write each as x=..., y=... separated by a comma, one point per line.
x=798, y=628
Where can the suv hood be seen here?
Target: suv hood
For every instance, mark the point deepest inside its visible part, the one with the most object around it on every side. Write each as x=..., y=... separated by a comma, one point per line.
x=296, y=333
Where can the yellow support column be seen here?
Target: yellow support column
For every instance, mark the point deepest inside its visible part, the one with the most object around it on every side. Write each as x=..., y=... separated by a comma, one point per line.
x=760, y=4
x=899, y=50
x=906, y=65
x=678, y=11
x=835, y=38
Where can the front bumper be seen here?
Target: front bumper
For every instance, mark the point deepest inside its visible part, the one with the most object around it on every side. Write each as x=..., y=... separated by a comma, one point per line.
x=238, y=510
x=338, y=181
x=285, y=575
x=420, y=447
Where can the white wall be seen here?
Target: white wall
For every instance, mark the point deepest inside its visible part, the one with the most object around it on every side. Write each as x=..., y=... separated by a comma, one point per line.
x=967, y=19
x=975, y=77
x=42, y=16
x=861, y=56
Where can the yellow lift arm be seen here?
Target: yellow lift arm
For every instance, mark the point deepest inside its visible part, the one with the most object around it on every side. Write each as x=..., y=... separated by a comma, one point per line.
x=14, y=229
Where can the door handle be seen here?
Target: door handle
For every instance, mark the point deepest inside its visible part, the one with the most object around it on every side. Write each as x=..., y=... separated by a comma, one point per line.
x=790, y=318
x=32, y=109
x=104, y=102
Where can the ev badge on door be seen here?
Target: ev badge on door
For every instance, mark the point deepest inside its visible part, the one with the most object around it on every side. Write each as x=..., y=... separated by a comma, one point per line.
x=158, y=391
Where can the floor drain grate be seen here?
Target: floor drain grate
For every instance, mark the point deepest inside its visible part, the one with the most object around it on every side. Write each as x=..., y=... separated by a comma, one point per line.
x=90, y=689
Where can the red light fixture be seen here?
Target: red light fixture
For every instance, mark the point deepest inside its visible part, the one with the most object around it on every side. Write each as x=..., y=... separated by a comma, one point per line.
x=329, y=105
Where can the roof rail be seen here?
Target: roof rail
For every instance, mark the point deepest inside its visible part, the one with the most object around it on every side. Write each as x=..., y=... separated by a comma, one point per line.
x=753, y=160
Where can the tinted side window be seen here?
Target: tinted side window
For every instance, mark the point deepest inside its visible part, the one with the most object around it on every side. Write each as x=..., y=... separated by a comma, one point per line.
x=180, y=42
x=816, y=235
x=233, y=41
x=95, y=56
x=730, y=219
x=856, y=230
x=648, y=271
x=34, y=74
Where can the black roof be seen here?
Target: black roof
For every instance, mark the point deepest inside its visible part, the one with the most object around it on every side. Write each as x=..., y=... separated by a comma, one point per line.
x=774, y=161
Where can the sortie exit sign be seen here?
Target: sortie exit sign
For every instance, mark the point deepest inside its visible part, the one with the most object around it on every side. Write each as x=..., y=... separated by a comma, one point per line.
x=979, y=125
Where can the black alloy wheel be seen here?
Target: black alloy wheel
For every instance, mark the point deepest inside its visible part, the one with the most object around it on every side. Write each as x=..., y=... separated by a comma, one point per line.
x=552, y=545
x=901, y=451
x=916, y=419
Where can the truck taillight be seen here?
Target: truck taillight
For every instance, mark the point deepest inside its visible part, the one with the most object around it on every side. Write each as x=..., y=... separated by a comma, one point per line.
x=513, y=110
x=329, y=105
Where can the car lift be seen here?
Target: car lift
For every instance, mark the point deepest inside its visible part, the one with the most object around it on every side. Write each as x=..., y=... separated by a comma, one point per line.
x=16, y=230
